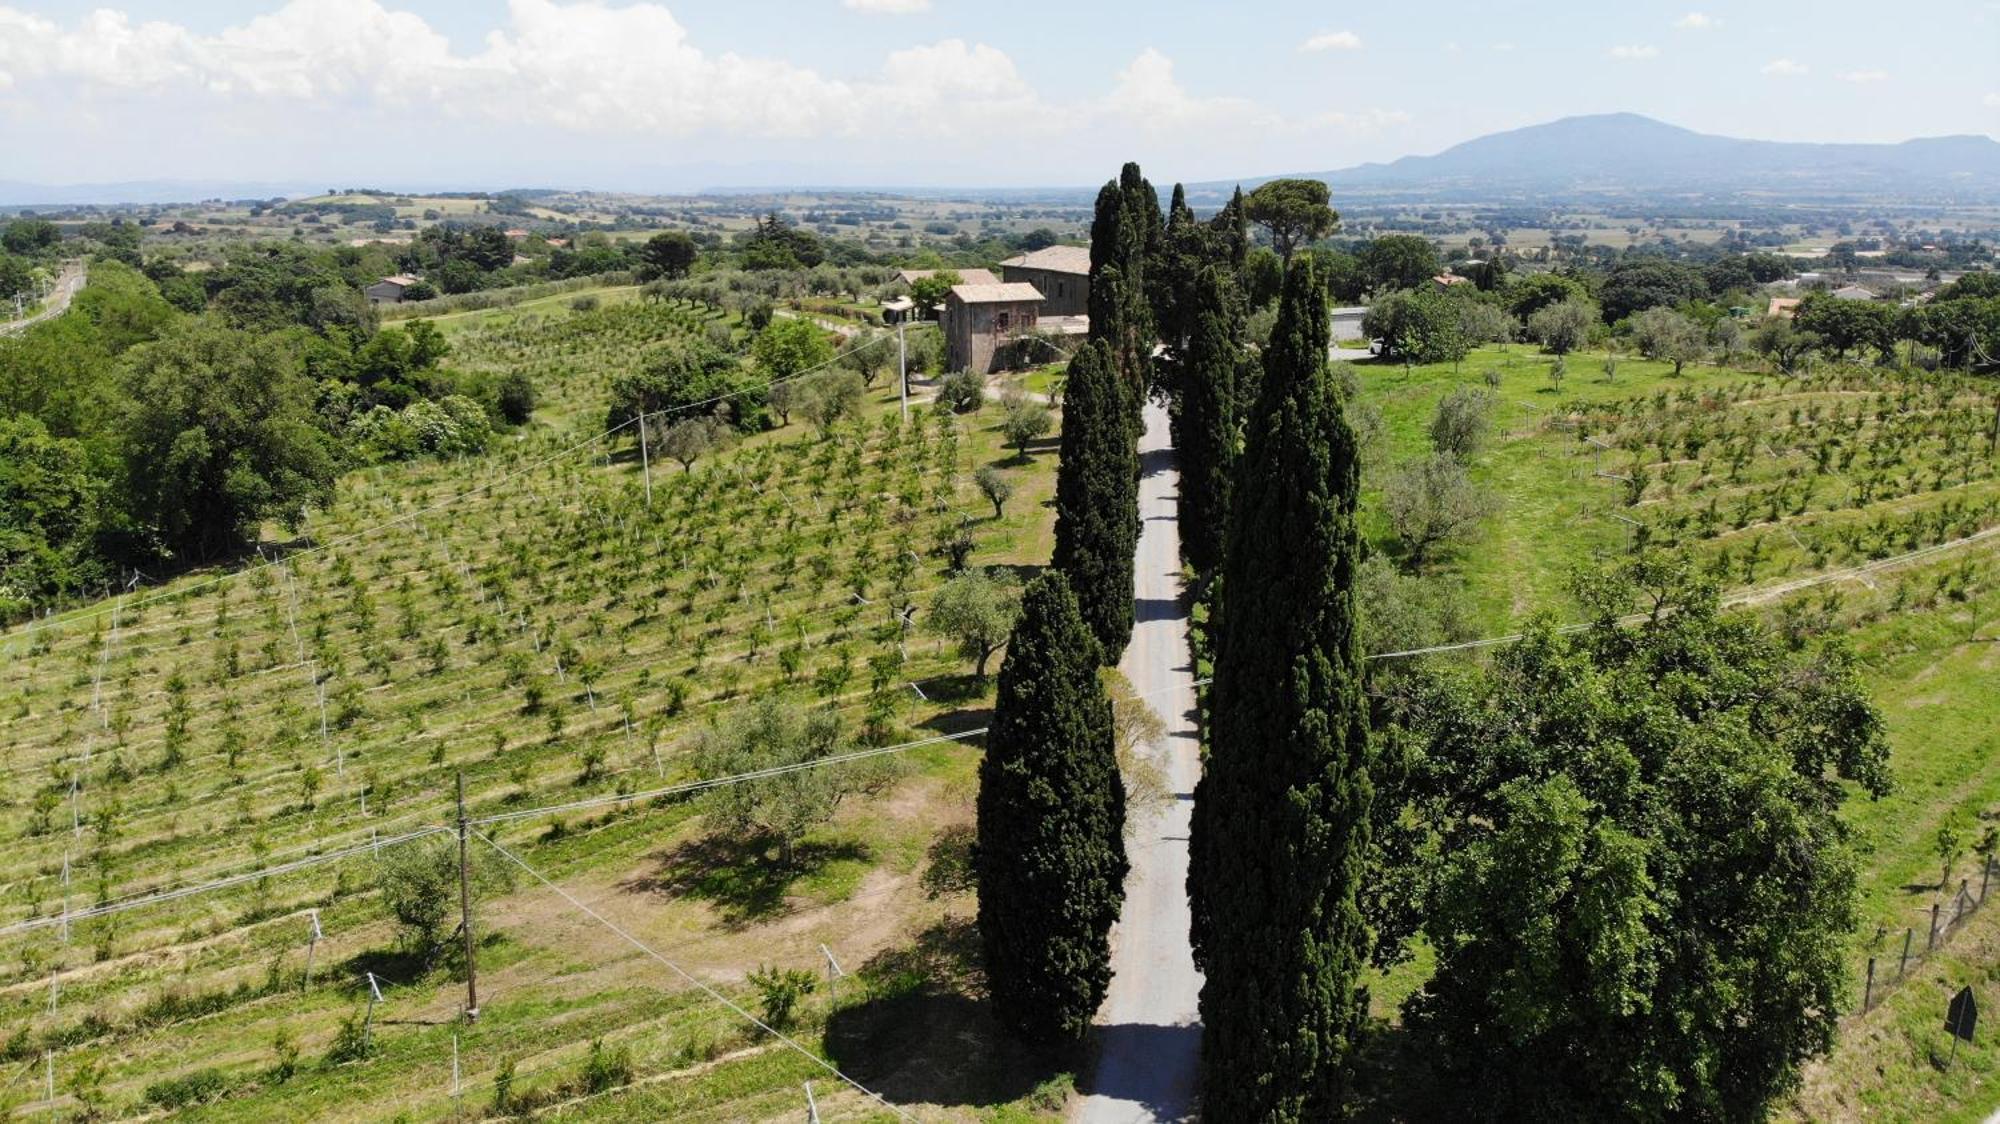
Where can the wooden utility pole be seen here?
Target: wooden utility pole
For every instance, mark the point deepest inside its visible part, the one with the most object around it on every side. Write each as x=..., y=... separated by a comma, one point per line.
x=645, y=462
x=465, y=912
x=903, y=375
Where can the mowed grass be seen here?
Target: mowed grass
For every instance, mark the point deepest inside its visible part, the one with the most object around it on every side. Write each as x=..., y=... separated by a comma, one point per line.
x=1925, y=631
x=527, y=619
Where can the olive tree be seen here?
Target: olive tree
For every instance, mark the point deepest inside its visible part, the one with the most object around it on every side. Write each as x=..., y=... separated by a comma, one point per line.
x=976, y=610
x=1433, y=503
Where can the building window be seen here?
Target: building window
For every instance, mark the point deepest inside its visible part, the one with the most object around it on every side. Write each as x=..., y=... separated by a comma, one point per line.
x=1000, y=321
x=1062, y=288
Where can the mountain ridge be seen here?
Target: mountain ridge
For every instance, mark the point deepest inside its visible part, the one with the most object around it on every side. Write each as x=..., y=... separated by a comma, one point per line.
x=1628, y=152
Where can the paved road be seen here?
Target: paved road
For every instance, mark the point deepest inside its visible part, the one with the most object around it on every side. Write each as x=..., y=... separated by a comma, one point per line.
x=67, y=284
x=1148, y=1038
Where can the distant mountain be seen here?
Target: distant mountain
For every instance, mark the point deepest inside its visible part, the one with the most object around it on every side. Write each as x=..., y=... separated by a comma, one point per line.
x=1629, y=154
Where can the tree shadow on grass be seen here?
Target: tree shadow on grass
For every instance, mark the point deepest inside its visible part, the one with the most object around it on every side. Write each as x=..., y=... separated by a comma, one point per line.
x=742, y=876
x=926, y=1034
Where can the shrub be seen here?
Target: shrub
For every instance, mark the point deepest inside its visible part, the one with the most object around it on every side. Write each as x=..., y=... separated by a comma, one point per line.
x=780, y=990
x=962, y=393
x=604, y=1069
x=199, y=1087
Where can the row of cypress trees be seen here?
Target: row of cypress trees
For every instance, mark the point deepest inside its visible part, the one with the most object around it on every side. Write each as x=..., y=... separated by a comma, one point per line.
x=1269, y=484
x=1051, y=851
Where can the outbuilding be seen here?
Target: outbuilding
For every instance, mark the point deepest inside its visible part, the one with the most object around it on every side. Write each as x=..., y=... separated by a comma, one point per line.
x=389, y=290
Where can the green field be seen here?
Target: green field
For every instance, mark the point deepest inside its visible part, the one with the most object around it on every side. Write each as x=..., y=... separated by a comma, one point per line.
x=1820, y=486
x=530, y=620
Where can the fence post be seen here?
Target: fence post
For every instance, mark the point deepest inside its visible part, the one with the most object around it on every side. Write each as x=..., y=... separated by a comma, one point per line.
x=1868, y=991
x=1931, y=941
x=1985, y=876
x=1904, y=966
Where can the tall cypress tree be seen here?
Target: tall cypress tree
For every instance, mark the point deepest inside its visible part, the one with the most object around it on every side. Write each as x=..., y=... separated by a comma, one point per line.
x=1124, y=232
x=1051, y=854
x=1206, y=422
x=1097, y=497
x=1231, y=229
x=1281, y=814
x=1173, y=274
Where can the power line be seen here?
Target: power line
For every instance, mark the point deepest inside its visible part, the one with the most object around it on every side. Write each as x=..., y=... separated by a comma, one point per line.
x=718, y=782
x=706, y=989
x=208, y=887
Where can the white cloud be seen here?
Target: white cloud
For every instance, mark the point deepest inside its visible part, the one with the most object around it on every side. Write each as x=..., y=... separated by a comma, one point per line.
x=1503, y=46
x=1635, y=52
x=1697, y=21
x=1992, y=101
x=580, y=66
x=887, y=7
x=1332, y=41
x=1785, y=68
x=340, y=87
x=1865, y=76
x=1149, y=96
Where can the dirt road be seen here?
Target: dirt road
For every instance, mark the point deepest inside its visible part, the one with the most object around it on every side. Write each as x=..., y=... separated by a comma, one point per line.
x=1148, y=1038
x=68, y=283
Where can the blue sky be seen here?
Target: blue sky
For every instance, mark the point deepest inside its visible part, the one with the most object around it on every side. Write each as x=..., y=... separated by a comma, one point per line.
x=930, y=92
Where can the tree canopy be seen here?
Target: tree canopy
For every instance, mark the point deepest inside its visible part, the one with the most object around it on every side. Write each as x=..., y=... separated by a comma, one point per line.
x=1295, y=211
x=1638, y=884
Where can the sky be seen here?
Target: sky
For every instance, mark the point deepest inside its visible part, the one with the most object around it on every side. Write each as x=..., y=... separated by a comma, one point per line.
x=676, y=95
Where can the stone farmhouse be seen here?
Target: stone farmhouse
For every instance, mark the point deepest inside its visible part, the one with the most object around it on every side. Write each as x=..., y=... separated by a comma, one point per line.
x=1060, y=273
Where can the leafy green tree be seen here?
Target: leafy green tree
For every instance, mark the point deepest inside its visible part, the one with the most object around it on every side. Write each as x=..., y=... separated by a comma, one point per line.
x=1097, y=497
x=1282, y=812
x=1845, y=325
x=1781, y=341
x=30, y=236
x=1462, y=421
x=1025, y=422
x=48, y=513
x=1208, y=429
x=994, y=485
x=929, y=292
x=1433, y=503
x=1562, y=327
x=789, y=345
x=1399, y=261
x=976, y=611
x=1051, y=851
x=1639, y=285
x=686, y=378
x=16, y=276
x=771, y=733
x=221, y=436
x=1664, y=334
x=1628, y=855
x=418, y=881
x=668, y=254
x=1530, y=293
x=514, y=396
x=1295, y=211
x=828, y=397
x=1416, y=326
